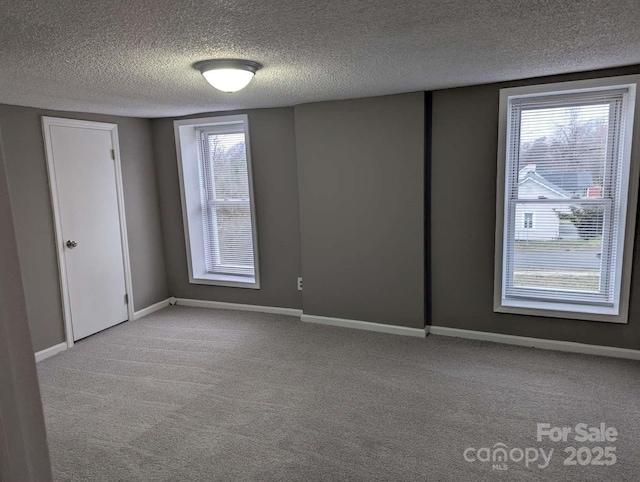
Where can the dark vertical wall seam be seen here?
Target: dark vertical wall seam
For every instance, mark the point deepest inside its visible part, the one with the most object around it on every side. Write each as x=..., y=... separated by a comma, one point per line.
x=428, y=104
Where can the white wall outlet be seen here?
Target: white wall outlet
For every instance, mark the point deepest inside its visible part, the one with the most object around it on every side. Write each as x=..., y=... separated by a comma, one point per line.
x=299, y=284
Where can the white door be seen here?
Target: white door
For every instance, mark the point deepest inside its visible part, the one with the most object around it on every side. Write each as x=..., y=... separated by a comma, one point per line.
x=82, y=161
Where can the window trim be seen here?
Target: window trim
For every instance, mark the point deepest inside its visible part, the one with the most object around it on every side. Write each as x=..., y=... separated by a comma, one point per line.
x=629, y=196
x=186, y=137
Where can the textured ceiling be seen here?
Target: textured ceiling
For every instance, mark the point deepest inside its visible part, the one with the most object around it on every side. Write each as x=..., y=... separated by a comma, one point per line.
x=133, y=57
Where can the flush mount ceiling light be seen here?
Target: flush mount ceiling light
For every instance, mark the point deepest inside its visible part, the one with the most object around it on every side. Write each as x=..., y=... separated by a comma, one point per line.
x=228, y=75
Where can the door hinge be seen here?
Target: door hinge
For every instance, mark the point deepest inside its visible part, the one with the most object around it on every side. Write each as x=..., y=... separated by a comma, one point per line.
x=113, y=154
x=126, y=299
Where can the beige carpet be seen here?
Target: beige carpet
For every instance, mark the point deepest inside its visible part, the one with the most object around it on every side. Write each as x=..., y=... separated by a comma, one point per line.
x=190, y=394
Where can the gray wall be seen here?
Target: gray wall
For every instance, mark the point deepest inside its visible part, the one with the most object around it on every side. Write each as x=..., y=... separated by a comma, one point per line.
x=29, y=191
x=361, y=182
x=24, y=454
x=277, y=213
x=463, y=197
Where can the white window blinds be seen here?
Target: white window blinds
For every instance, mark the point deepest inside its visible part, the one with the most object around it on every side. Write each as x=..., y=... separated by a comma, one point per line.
x=565, y=199
x=226, y=202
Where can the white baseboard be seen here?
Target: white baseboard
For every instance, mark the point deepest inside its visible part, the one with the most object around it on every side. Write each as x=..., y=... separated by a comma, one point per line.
x=49, y=352
x=541, y=343
x=365, y=325
x=236, y=306
x=151, y=309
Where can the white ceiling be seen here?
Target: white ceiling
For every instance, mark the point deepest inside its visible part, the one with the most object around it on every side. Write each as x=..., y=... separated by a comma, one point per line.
x=133, y=57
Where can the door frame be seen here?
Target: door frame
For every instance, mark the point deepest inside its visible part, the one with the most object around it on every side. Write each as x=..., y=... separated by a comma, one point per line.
x=47, y=123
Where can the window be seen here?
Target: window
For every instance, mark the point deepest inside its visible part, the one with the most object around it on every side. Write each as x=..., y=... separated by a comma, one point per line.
x=528, y=220
x=217, y=199
x=567, y=188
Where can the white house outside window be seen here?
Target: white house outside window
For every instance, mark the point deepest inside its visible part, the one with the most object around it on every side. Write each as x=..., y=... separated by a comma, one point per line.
x=567, y=188
x=217, y=194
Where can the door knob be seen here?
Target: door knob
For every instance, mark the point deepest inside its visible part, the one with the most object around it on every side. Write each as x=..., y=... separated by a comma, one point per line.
x=71, y=244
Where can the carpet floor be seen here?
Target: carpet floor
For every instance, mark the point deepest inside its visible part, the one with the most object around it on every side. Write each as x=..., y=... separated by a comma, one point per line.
x=190, y=394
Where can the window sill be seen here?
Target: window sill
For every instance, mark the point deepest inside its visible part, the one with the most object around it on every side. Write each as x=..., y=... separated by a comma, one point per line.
x=225, y=280
x=571, y=311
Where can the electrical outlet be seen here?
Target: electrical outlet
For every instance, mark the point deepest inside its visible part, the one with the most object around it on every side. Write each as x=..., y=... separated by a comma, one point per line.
x=299, y=284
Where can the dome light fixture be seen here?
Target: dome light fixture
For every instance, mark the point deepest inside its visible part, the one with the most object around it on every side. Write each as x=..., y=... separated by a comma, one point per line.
x=228, y=75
